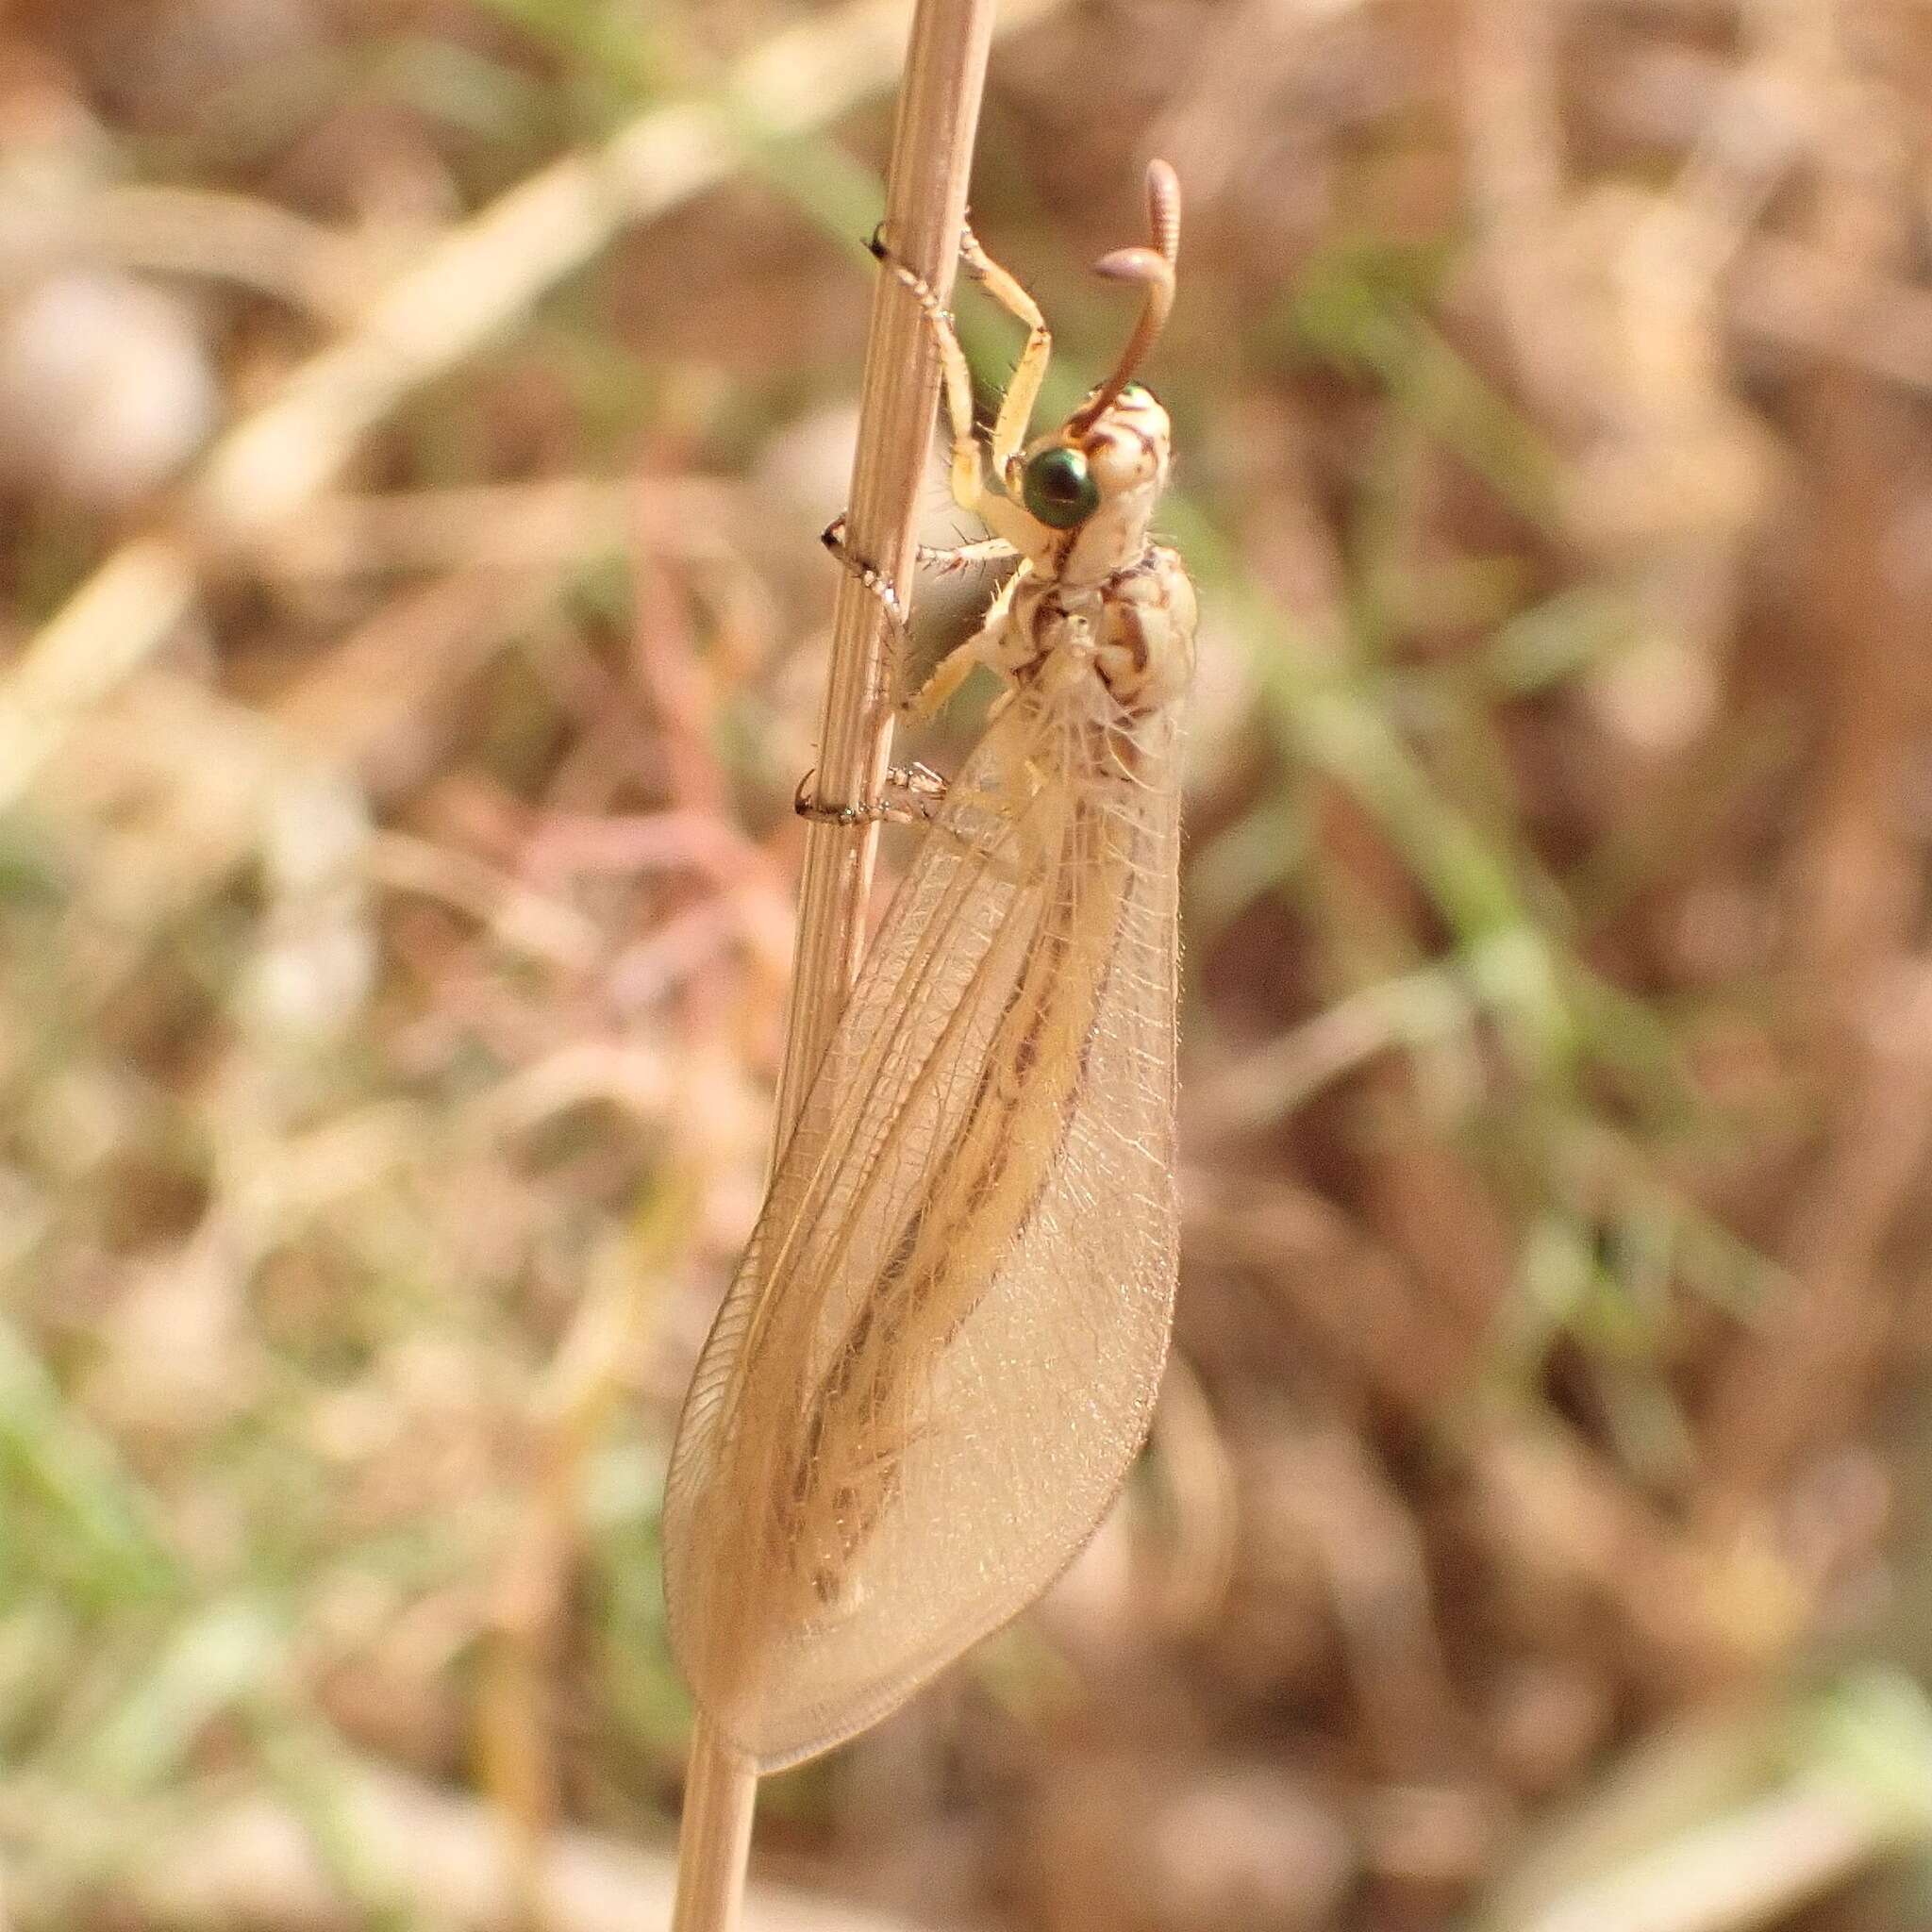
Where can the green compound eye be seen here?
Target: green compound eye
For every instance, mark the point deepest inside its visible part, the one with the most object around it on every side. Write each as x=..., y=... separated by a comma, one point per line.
x=1058, y=489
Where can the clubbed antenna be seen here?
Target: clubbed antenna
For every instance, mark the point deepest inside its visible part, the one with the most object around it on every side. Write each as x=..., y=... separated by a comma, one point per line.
x=1154, y=269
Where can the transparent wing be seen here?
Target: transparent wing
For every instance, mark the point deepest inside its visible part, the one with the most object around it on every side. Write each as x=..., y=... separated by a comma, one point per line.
x=942, y=1349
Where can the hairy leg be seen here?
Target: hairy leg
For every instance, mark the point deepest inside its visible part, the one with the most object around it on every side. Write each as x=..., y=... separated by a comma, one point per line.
x=1023, y=392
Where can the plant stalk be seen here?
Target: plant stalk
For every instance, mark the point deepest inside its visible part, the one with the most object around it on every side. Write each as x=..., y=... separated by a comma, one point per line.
x=925, y=209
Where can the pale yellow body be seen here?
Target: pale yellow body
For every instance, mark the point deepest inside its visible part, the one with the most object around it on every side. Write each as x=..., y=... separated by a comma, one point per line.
x=941, y=1350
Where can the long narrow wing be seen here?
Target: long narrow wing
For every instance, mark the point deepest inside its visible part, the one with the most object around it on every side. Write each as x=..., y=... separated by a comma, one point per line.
x=940, y=1352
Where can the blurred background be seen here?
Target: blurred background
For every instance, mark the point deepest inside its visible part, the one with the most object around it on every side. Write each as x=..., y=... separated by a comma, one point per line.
x=416, y=420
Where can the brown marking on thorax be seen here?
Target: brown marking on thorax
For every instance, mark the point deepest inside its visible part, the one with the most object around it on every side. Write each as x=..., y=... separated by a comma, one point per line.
x=1138, y=625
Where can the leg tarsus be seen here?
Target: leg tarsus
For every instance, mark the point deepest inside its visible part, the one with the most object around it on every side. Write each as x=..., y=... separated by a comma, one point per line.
x=909, y=795
x=869, y=575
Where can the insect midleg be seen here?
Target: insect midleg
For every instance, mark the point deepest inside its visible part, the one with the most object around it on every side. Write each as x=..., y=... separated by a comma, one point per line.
x=945, y=557
x=944, y=679
x=938, y=557
x=1029, y=373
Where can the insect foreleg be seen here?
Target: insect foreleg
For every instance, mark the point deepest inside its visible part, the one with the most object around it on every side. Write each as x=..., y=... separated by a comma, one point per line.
x=969, y=479
x=1023, y=392
x=972, y=492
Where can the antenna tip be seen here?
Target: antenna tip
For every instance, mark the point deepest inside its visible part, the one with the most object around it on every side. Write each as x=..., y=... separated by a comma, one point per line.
x=1164, y=210
x=1154, y=269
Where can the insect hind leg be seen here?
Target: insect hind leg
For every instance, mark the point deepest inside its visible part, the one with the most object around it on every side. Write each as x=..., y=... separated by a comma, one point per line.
x=909, y=795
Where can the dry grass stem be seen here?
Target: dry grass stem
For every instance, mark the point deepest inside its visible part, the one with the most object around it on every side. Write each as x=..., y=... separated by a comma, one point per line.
x=925, y=210
x=926, y=189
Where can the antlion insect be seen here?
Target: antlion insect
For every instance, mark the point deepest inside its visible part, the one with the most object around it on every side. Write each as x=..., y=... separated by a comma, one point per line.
x=941, y=1350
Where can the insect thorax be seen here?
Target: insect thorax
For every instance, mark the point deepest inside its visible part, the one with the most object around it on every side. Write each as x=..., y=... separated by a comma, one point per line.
x=1135, y=629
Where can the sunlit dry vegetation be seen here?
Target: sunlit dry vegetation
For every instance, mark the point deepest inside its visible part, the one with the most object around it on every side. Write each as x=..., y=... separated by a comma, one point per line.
x=416, y=419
